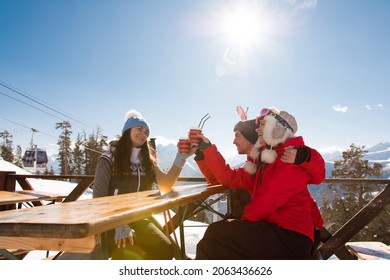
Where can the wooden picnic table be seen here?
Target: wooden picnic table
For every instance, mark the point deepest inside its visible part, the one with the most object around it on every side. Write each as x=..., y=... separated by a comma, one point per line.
x=76, y=226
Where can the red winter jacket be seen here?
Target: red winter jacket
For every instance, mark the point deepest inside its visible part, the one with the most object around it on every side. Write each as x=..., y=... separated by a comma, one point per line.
x=279, y=192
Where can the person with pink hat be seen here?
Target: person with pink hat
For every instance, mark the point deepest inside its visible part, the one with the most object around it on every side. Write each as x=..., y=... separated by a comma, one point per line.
x=279, y=221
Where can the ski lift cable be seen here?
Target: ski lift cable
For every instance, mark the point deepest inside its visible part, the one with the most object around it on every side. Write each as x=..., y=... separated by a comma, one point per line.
x=44, y=105
x=91, y=126
x=29, y=105
x=35, y=130
x=29, y=128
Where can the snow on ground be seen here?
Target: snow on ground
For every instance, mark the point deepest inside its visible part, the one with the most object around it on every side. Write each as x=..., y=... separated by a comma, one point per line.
x=193, y=232
x=54, y=186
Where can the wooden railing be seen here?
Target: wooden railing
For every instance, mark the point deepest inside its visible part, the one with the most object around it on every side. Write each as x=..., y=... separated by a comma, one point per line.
x=335, y=243
x=331, y=243
x=8, y=181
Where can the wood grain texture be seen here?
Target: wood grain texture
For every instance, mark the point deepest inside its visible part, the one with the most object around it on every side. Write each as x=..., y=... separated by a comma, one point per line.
x=28, y=196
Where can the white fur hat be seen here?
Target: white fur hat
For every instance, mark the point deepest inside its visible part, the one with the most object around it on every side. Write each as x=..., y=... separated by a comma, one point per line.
x=278, y=128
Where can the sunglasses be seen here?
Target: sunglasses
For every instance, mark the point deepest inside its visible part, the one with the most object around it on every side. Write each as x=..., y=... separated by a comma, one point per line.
x=265, y=112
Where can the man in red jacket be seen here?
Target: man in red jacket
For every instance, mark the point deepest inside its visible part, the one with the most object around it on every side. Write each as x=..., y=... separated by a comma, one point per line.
x=245, y=136
x=278, y=223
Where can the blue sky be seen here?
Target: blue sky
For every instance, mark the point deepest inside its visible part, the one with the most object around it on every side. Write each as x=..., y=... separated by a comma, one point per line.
x=326, y=62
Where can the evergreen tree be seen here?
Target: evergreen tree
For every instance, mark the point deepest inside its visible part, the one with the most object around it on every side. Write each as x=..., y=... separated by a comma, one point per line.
x=78, y=157
x=6, y=146
x=347, y=199
x=64, y=142
x=18, y=157
x=94, y=146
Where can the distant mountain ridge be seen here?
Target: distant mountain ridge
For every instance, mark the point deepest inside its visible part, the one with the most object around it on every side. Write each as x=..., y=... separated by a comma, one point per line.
x=166, y=153
x=379, y=153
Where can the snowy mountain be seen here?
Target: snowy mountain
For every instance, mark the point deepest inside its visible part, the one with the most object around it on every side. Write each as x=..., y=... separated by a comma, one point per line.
x=379, y=153
x=166, y=153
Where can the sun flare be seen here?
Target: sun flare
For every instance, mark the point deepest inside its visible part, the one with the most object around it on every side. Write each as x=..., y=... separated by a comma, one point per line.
x=244, y=26
x=245, y=29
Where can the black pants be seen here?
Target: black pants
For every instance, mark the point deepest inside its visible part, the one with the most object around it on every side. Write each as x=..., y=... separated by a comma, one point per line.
x=242, y=240
x=238, y=200
x=150, y=243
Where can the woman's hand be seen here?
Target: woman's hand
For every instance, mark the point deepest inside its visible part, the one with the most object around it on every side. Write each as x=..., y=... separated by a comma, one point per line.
x=123, y=233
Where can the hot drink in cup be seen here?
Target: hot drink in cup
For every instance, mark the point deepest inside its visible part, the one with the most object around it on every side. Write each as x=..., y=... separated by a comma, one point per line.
x=184, y=145
x=193, y=135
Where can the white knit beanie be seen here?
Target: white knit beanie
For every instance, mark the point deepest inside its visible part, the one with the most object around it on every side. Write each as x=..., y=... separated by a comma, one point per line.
x=276, y=131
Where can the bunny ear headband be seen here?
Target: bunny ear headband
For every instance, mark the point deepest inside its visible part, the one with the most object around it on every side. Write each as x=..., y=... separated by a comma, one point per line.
x=247, y=129
x=241, y=113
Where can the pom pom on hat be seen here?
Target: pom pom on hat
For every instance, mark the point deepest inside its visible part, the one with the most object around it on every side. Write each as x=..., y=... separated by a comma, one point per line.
x=134, y=118
x=268, y=155
x=248, y=129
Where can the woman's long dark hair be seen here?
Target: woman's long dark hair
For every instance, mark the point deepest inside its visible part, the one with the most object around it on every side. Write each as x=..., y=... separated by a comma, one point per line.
x=123, y=150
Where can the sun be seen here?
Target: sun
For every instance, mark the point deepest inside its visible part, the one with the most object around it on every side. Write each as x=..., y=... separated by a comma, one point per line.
x=243, y=26
x=246, y=30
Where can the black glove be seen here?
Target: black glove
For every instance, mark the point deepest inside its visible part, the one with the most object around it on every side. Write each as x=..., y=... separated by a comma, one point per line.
x=203, y=145
x=303, y=155
x=199, y=155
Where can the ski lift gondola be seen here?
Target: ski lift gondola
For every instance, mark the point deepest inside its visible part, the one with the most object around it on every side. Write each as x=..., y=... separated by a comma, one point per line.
x=34, y=159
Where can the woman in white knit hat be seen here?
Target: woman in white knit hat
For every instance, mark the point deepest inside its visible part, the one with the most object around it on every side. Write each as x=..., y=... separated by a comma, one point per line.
x=129, y=165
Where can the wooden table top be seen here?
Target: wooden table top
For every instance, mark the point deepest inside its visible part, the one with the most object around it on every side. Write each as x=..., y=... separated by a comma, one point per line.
x=26, y=196
x=83, y=218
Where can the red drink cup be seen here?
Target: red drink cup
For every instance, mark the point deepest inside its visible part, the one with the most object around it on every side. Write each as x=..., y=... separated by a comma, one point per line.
x=184, y=145
x=193, y=135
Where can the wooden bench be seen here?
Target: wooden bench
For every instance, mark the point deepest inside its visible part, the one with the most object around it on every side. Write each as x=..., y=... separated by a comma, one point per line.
x=369, y=250
x=17, y=254
x=25, y=196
